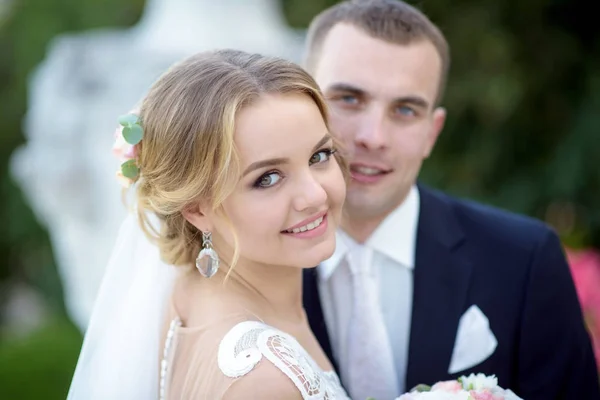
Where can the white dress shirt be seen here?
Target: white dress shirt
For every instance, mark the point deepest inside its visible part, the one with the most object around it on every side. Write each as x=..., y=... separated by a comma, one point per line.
x=394, y=244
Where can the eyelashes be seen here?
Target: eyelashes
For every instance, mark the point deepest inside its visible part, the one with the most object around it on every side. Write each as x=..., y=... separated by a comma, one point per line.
x=273, y=177
x=268, y=180
x=327, y=153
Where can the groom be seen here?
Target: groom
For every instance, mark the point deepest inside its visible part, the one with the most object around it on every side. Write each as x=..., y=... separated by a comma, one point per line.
x=423, y=286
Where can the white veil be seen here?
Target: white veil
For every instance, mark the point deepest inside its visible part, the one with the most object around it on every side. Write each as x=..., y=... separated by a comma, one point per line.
x=120, y=355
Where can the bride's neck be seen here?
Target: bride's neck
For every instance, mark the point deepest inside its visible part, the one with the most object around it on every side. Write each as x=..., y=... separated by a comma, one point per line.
x=266, y=290
x=271, y=293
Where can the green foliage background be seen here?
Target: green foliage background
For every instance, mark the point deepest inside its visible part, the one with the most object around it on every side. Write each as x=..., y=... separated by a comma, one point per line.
x=522, y=133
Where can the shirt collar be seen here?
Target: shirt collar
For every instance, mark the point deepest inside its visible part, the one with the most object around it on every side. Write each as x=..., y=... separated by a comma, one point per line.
x=395, y=237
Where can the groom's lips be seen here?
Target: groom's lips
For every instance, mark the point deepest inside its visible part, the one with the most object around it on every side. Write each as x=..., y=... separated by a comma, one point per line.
x=368, y=173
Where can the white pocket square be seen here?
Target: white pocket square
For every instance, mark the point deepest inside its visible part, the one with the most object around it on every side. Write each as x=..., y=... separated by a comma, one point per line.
x=475, y=341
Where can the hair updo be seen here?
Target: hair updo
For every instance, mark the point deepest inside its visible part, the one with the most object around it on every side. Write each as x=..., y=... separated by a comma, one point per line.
x=187, y=153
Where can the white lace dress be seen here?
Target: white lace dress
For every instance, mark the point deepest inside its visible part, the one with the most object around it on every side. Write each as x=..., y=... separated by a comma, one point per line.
x=190, y=369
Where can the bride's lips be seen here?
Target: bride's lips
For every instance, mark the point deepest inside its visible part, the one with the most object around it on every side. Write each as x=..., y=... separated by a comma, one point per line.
x=368, y=173
x=309, y=228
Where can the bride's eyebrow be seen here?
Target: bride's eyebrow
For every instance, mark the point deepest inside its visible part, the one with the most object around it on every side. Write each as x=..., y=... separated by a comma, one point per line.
x=265, y=163
x=273, y=162
x=321, y=142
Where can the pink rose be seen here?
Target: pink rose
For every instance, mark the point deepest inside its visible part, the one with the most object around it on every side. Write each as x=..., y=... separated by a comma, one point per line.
x=122, y=150
x=485, y=395
x=447, y=386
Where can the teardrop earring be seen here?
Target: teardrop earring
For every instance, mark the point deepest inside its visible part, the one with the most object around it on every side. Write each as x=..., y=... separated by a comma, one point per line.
x=207, y=261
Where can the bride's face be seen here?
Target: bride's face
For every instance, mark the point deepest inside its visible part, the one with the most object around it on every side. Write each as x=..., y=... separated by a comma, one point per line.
x=288, y=203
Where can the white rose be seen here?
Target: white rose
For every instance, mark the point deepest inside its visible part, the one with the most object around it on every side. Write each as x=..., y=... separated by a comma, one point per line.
x=479, y=382
x=436, y=396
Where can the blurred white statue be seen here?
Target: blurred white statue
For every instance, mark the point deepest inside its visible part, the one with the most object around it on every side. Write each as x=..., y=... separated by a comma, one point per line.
x=66, y=169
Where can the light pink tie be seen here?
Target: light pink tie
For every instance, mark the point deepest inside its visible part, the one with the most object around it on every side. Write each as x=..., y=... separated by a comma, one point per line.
x=370, y=369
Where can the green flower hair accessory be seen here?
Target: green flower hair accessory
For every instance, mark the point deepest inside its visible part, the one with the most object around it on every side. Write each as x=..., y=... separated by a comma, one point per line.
x=127, y=139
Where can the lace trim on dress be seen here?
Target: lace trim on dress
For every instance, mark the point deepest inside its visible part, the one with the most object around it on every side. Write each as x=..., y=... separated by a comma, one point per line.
x=245, y=344
x=238, y=353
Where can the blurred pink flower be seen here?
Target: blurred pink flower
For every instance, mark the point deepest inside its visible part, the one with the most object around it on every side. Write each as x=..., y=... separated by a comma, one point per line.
x=447, y=386
x=585, y=268
x=122, y=150
x=478, y=395
x=485, y=395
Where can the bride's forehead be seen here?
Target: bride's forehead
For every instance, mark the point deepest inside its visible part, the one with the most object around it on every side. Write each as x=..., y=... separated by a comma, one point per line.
x=287, y=125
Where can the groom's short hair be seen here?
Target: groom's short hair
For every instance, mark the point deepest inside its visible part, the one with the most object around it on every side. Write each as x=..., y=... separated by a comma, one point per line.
x=393, y=21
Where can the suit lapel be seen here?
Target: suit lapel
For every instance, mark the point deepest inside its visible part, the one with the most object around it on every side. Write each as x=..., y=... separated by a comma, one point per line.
x=441, y=280
x=314, y=312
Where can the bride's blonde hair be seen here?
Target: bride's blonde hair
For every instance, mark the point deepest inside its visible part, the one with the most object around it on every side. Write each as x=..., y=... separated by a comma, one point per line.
x=187, y=153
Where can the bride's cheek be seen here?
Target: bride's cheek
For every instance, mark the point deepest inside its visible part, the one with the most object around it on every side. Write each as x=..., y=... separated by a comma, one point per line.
x=335, y=187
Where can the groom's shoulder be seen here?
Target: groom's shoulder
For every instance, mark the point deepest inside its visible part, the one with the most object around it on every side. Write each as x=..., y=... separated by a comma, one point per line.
x=487, y=221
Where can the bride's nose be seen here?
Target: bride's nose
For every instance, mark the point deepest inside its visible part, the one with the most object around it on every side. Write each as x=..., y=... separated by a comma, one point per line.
x=309, y=193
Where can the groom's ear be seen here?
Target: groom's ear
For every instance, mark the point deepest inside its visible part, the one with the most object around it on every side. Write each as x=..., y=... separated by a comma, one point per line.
x=439, y=119
x=197, y=215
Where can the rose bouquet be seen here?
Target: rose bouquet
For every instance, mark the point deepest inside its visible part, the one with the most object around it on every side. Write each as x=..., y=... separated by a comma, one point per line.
x=472, y=387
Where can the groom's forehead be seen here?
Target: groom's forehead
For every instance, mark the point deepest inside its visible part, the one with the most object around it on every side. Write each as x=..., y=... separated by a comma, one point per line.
x=378, y=68
x=349, y=49
x=343, y=39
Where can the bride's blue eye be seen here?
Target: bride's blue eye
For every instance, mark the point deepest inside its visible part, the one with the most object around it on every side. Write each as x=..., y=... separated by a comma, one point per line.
x=267, y=180
x=321, y=156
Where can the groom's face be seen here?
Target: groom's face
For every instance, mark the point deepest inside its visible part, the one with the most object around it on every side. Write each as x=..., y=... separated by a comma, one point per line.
x=382, y=100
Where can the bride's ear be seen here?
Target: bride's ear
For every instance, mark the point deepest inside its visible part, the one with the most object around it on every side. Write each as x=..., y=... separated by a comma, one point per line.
x=196, y=215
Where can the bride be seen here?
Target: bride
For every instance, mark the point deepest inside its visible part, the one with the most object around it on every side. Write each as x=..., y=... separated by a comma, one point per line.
x=238, y=187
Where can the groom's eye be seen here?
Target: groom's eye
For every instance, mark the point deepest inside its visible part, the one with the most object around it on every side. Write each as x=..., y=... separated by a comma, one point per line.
x=405, y=111
x=349, y=99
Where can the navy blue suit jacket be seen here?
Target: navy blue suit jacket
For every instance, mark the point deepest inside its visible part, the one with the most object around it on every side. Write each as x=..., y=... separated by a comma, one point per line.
x=513, y=268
